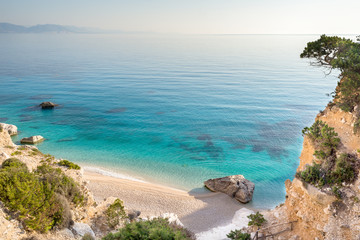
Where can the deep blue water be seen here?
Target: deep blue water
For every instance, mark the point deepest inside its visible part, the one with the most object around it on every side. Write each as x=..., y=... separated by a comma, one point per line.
x=176, y=109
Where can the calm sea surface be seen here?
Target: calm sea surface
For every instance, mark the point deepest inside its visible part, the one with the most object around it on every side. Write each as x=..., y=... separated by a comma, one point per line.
x=176, y=110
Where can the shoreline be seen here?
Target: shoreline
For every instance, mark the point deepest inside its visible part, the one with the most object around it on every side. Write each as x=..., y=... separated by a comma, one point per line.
x=199, y=212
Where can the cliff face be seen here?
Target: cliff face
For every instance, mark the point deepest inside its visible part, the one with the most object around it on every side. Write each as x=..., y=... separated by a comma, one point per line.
x=318, y=213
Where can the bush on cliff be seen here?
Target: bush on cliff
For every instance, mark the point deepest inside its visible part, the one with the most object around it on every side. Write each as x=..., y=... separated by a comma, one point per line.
x=256, y=219
x=40, y=200
x=324, y=137
x=69, y=164
x=341, y=54
x=61, y=183
x=157, y=228
x=114, y=213
x=331, y=173
x=238, y=235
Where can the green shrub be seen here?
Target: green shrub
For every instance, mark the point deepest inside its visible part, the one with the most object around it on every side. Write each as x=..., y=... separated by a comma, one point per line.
x=61, y=183
x=21, y=148
x=324, y=137
x=311, y=174
x=69, y=164
x=356, y=126
x=158, y=228
x=256, y=219
x=344, y=170
x=16, y=153
x=31, y=200
x=114, y=213
x=336, y=191
x=238, y=235
x=15, y=163
x=334, y=172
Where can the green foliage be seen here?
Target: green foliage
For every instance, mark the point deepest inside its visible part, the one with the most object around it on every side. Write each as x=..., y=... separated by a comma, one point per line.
x=256, y=219
x=21, y=148
x=342, y=54
x=336, y=191
x=356, y=126
x=114, y=213
x=158, y=228
x=312, y=175
x=16, y=153
x=238, y=235
x=61, y=183
x=324, y=137
x=14, y=163
x=40, y=200
x=342, y=171
x=69, y=164
x=32, y=200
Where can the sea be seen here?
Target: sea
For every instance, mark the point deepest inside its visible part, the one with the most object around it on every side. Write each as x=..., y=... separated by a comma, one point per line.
x=169, y=109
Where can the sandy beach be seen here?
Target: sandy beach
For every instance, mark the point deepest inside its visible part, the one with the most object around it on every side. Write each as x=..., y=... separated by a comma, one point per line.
x=198, y=212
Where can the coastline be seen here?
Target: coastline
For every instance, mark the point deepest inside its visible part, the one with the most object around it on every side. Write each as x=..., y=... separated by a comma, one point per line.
x=199, y=212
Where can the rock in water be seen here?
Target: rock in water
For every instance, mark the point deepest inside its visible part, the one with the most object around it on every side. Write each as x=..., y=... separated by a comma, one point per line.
x=48, y=105
x=32, y=139
x=11, y=129
x=235, y=186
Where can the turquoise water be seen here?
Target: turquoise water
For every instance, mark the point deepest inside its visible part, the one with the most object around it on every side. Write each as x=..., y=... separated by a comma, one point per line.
x=176, y=109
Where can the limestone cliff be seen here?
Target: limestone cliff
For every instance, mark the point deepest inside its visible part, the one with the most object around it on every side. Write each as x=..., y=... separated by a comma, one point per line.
x=317, y=213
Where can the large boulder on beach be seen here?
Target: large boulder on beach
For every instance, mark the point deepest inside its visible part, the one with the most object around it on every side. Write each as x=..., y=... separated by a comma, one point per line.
x=32, y=139
x=235, y=186
x=11, y=129
x=48, y=105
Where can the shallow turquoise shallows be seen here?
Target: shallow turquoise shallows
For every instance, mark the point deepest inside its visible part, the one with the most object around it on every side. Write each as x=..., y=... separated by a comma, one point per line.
x=175, y=109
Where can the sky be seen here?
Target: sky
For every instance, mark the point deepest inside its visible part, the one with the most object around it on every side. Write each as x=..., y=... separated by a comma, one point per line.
x=191, y=16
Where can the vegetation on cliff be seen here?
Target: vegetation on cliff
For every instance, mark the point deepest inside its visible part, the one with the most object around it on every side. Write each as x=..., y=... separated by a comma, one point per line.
x=157, y=228
x=68, y=164
x=344, y=55
x=333, y=169
x=40, y=199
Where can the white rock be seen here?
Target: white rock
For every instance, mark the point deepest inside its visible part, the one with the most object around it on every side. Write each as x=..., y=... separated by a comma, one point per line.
x=32, y=139
x=11, y=129
x=82, y=228
x=172, y=218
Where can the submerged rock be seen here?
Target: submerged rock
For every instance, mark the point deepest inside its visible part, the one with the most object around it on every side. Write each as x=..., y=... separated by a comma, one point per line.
x=235, y=186
x=48, y=105
x=32, y=139
x=11, y=129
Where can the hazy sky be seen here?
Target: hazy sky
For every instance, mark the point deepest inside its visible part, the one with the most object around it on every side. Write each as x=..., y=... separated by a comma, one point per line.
x=191, y=16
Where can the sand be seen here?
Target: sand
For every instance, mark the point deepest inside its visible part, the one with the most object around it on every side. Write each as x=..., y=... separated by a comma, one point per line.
x=198, y=212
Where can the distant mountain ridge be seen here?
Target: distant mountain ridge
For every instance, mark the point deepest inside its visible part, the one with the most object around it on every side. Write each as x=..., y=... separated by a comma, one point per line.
x=44, y=28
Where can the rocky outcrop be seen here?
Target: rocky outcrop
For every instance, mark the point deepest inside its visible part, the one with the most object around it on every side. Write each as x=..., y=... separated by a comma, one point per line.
x=32, y=139
x=235, y=186
x=318, y=213
x=48, y=105
x=80, y=229
x=11, y=129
